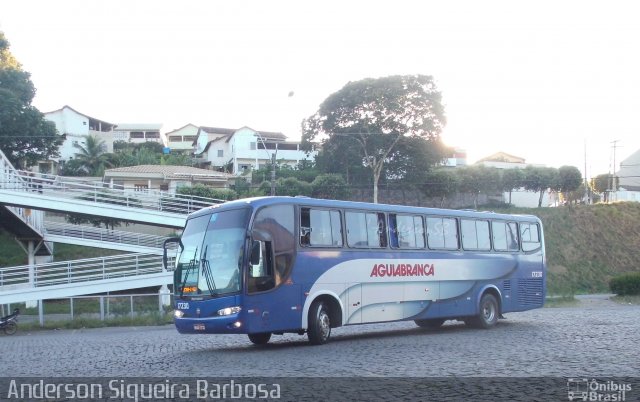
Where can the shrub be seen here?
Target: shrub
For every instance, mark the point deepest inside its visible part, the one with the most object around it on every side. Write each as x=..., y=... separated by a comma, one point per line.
x=626, y=284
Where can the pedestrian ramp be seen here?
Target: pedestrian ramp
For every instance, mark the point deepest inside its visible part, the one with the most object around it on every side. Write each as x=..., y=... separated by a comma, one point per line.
x=82, y=277
x=103, y=238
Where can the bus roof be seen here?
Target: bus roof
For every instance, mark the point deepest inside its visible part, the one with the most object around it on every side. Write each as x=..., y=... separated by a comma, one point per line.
x=258, y=202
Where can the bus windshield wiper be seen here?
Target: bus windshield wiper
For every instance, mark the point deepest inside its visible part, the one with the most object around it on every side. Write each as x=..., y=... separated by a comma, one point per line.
x=208, y=276
x=190, y=266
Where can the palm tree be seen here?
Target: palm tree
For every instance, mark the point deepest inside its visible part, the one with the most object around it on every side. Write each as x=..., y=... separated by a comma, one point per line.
x=92, y=157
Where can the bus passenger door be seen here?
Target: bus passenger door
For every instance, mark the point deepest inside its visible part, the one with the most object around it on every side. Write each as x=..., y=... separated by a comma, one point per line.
x=354, y=303
x=271, y=304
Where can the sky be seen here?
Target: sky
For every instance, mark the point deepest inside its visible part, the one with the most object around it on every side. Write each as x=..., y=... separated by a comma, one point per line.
x=554, y=82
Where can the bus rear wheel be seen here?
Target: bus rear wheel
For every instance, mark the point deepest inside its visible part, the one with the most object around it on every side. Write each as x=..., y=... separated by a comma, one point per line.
x=319, y=326
x=432, y=323
x=488, y=315
x=260, y=339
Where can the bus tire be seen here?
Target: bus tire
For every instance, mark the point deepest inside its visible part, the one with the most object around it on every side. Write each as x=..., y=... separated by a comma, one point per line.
x=432, y=323
x=10, y=328
x=488, y=315
x=319, y=325
x=260, y=339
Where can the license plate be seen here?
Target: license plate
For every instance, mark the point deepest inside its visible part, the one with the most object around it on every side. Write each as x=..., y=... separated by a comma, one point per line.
x=198, y=327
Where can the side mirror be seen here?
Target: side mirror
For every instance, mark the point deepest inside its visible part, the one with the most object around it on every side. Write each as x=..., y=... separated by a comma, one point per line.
x=255, y=253
x=165, y=247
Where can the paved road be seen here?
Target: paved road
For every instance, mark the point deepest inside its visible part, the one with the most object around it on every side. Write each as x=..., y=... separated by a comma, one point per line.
x=596, y=339
x=600, y=339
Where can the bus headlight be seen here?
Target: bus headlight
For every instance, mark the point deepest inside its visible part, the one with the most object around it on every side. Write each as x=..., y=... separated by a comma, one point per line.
x=229, y=310
x=178, y=313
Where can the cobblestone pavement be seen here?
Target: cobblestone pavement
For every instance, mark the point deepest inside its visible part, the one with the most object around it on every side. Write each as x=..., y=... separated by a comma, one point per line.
x=596, y=339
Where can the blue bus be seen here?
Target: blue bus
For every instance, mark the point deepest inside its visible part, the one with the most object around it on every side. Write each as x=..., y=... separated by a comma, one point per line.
x=275, y=265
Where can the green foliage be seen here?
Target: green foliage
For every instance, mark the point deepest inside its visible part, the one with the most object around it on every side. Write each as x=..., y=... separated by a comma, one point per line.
x=568, y=179
x=512, y=179
x=441, y=183
x=391, y=121
x=293, y=187
x=91, y=158
x=25, y=136
x=200, y=190
x=478, y=179
x=330, y=186
x=540, y=179
x=626, y=284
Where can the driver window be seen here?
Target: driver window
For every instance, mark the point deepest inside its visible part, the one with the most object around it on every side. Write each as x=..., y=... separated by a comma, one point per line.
x=261, y=276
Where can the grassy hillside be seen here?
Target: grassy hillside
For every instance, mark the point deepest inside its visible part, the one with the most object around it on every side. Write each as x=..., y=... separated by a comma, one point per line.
x=12, y=254
x=586, y=245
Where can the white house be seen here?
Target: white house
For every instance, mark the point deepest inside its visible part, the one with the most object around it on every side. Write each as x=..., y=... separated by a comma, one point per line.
x=628, y=179
x=164, y=177
x=239, y=150
x=181, y=140
x=138, y=133
x=521, y=197
x=75, y=127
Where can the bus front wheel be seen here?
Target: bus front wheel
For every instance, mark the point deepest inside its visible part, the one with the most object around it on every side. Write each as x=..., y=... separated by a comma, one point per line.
x=488, y=315
x=319, y=326
x=260, y=339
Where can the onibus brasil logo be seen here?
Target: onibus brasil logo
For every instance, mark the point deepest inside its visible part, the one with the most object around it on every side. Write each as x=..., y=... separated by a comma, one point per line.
x=583, y=389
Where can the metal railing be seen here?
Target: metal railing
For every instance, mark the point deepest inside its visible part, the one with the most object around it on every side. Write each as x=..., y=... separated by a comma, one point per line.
x=102, y=307
x=90, y=269
x=104, y=235
x=33, y=218
x=102, y=193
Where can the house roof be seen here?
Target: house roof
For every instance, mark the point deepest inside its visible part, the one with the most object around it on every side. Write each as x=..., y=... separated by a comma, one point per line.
x=267, y=135
x=166, y=172
x=81, y=114
x=503, y=157
x=183, y=127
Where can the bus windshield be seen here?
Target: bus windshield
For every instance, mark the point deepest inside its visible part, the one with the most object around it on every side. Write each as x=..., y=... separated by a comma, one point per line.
x=209, y=263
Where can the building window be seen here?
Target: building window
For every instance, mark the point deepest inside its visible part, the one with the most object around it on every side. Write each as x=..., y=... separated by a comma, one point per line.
x=152, y=134
x=288, y=147
x=189, y=138
x=136, y=134
x=220, y=153
x=175, y=138
x=141, y=187
x=164, y=187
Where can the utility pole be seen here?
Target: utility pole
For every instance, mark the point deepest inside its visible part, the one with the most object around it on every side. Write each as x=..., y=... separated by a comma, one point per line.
x=273, y=173
x=613, y=176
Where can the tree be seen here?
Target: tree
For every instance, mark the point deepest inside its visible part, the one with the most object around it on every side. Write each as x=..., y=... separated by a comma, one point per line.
x=512, y=179
x=603, y=184
x=479, y=179
x=568, y=179
x=92, y=157
x=25, y=136
x=441, y=183
x=372, y=118
x=330, y=186
x=539, y=179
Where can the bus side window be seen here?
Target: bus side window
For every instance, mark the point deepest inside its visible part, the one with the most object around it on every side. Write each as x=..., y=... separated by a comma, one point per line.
x=261, y=274
x=442, y=233
x=530, y=237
